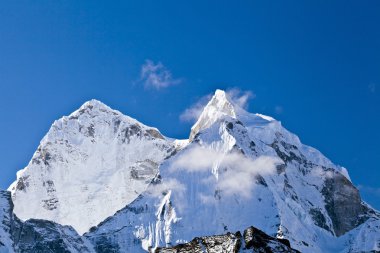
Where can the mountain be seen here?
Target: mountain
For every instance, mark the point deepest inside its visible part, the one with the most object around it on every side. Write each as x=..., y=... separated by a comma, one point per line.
x=124, y=187
x=96, y=160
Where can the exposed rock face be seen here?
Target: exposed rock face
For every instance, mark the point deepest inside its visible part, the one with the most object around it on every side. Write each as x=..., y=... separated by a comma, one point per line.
x=257, y=241
x=46, y=236
x=229, y=243
x=343, y=203
x=38, y=236
x=254, y=240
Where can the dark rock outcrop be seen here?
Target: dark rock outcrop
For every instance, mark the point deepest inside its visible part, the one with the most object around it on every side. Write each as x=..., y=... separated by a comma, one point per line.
x=45, y=236
x=39, y=236
x=343, y=203
x=256, y=240
x=253, y=240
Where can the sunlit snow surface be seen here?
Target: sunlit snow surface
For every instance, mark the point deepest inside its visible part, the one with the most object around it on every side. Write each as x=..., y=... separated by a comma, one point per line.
x=89, y=165
x=238, y=170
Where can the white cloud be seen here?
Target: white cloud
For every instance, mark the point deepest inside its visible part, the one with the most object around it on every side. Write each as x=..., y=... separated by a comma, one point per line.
x=372, y=87
x=170, y=185
x=166, y=185
x=239, y=97
x=240, y=176
x=279, y=109
x=207, y=199
x=236, y=172
x=156, y=75
x=369, y=190
x=196, y=159
x=192, y=113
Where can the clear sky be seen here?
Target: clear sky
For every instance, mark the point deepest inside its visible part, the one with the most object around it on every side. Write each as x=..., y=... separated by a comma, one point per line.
x=314, y=66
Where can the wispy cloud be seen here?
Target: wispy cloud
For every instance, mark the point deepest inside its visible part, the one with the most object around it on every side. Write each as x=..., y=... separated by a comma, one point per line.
x=192, y=113
x=156, y=75
x=236, y=172
x=238, y=179
x=278, y=109
x=166, y=185
x=239, y=97
x=369, y=190
x=372, y=87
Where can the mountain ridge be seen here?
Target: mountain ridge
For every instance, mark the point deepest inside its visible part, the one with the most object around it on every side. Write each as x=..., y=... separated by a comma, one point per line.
x=236, y=164
x=94, y=152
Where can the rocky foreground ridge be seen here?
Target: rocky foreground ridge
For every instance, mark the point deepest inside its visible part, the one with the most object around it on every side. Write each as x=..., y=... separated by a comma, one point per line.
x=252, y=240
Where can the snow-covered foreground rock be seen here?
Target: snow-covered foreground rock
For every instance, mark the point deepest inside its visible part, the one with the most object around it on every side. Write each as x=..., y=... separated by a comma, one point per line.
x=237, y=170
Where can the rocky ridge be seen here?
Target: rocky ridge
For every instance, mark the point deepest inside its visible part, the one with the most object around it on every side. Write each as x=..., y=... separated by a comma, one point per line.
x=253, y=240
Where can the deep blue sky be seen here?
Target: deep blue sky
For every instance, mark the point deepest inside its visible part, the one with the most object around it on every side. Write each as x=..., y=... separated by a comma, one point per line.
x=317, y=63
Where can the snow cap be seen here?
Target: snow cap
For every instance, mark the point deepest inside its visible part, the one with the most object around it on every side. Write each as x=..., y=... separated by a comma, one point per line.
x=219, y=106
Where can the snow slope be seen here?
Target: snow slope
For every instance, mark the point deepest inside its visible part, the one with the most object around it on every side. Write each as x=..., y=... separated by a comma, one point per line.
x=88, y=166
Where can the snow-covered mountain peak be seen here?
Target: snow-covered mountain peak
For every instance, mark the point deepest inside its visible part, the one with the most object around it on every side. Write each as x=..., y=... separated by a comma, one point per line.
x=218, y=107
x=220, y=104
x=95, y=103
x=94, y=108
x=96, y=160
x=221, y=96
